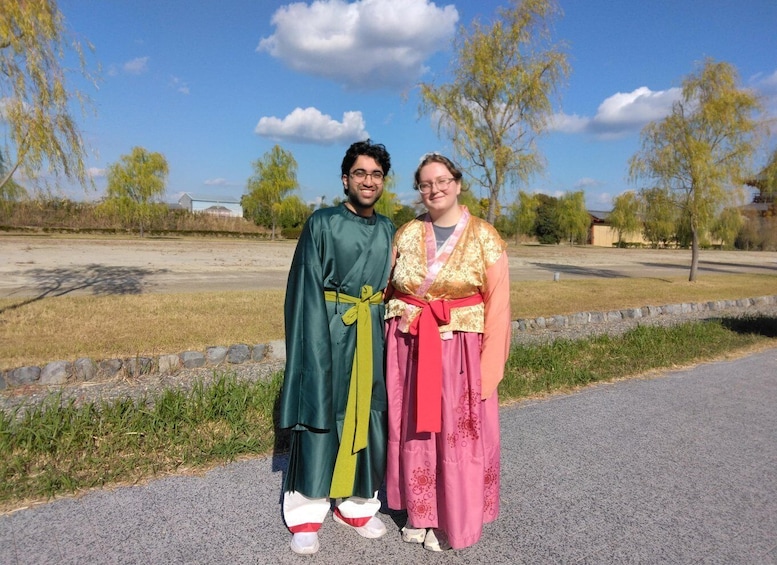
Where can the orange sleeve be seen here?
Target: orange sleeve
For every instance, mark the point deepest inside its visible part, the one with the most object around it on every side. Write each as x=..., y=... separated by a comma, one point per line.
x=498, y=325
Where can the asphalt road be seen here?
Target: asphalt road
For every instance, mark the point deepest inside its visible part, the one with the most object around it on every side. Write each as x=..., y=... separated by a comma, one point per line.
x=676, y=468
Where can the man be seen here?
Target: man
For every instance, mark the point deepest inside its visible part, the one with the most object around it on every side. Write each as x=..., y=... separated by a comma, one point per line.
x=334, y=390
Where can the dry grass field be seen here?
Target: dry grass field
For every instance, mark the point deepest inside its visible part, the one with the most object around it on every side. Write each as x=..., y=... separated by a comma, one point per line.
x=68, y=297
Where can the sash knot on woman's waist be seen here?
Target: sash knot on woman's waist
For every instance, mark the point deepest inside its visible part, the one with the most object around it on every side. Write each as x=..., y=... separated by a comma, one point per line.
x=434, y=313
x=357, y=408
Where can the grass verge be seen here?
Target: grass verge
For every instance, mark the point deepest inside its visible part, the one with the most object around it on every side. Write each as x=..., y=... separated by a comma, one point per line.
x=68, y=327
x=58, y=449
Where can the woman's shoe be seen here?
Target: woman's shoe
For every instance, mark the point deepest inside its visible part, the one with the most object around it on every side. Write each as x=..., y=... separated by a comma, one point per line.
x=413, y=535
x=436, y=540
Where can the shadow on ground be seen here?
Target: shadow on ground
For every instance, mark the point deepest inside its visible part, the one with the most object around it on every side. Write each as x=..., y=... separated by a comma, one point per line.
x=98, y=280
x=755, y=324
x=724, y=268
x=580, y=271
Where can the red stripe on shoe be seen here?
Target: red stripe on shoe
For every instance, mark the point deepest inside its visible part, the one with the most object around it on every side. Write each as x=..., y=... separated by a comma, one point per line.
x=301, y=528
x=354, y=522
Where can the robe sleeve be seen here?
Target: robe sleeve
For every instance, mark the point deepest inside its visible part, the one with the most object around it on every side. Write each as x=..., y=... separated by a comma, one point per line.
x=306, y=398
x=498, y=325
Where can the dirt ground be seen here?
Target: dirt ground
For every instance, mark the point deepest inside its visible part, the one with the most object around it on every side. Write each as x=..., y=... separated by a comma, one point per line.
x=38, y=265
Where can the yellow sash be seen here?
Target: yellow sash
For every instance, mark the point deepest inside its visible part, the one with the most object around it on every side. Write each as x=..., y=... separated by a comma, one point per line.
x=357, y=408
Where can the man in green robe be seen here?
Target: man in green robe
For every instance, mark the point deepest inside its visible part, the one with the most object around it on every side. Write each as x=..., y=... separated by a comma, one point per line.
x=334, y=390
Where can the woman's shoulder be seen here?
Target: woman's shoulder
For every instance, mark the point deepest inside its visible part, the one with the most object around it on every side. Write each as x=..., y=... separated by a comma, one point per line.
x=484, y=228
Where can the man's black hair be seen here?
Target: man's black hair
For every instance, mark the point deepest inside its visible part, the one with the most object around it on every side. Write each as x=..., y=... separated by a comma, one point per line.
x=375, y=150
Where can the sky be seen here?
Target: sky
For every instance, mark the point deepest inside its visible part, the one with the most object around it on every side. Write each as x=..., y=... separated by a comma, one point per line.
x=214, y=85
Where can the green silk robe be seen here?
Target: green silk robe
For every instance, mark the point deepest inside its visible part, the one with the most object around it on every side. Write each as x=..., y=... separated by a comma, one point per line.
x=337, y=251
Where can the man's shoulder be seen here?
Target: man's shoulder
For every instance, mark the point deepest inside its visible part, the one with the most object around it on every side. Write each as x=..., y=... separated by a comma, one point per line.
x=380, y=219
x=322, y=215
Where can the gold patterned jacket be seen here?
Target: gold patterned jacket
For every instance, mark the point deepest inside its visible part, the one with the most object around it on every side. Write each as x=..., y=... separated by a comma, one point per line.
x=462, y=275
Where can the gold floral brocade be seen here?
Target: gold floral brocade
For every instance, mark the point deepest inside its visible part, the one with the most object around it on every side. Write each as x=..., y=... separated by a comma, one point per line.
x=462, y=275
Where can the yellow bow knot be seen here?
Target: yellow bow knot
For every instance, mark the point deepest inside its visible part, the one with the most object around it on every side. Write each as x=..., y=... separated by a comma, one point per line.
x=357, y=408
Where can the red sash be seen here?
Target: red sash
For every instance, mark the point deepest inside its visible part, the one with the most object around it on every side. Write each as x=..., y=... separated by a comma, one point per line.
x=429, y=376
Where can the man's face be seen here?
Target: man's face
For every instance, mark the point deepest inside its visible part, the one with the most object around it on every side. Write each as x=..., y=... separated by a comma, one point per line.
x=364, y=185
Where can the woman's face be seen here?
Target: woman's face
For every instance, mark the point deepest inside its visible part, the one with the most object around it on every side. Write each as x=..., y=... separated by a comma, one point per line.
x=439, y=190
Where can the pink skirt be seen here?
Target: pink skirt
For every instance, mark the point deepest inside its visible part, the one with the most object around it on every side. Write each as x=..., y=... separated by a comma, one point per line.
x=447, y=480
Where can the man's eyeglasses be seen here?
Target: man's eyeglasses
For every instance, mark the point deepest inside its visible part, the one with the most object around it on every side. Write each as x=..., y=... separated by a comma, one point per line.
x=440, y=184
x=360, y=174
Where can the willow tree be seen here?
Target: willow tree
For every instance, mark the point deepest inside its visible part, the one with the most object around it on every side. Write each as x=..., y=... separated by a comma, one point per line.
x=35, y=101
x=624, y=217
x=701, y=152
x=660, y=217
x=135, y=183
x=499, y=101
x=10, y=190
x=572, y=217
x=523, y=215
x=274, y=178
x=389, y=203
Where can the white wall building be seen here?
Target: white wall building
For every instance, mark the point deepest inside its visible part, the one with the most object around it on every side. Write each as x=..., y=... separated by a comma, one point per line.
x=218, y=206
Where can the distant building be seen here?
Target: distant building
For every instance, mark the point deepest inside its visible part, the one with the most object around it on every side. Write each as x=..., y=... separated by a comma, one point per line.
x=601, y=233
x=217, y=206
x=763, y=204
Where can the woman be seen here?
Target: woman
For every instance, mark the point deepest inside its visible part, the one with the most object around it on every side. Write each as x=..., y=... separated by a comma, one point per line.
x=448, y=336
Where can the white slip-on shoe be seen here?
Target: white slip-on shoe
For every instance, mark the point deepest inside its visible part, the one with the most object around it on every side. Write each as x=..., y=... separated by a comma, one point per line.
x=436, y=540
x=413, y=535
x=304, y=543
x=374, y=528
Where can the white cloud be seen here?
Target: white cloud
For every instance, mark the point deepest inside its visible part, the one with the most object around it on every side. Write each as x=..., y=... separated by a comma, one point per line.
x=179, y=85
x=765, y=83
x=216, y=182
x=621, y=114
x=604, y=198
x=367, y=44
x=309, y=125
x=95, y=172
x=136, y=66
x=586, y=182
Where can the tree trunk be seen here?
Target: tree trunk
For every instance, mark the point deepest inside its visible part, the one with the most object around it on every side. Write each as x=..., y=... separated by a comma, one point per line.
x=7, y=177
x=493, y=204
x=694, y=255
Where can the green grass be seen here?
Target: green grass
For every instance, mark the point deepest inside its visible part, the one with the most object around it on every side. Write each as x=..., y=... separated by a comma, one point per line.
x=565, y=364
x=57, y=448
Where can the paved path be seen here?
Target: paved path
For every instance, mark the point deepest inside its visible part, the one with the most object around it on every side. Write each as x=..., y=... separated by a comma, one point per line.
x=679, y=468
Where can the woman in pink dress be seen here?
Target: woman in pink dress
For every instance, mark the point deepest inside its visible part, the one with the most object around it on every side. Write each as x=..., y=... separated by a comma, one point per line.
x=448, y=337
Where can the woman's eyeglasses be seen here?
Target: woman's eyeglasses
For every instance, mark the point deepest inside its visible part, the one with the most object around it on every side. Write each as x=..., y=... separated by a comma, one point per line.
x=440, y=184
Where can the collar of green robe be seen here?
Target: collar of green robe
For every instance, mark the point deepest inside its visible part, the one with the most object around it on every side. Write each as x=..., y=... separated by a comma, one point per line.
x=357, y=408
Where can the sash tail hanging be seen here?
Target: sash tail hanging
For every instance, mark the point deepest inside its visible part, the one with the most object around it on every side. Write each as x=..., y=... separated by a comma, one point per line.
x=357, y=408
x=433, y=314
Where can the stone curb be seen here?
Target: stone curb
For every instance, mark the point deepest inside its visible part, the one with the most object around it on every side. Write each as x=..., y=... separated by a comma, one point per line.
x=584, y=318
x=85, y=369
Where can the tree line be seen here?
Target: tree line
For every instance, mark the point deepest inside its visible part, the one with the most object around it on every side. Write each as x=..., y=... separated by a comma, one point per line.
x=506, y=75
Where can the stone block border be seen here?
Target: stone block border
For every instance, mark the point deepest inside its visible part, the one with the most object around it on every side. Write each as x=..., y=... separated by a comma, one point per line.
x=583, y=318
x=85, y=369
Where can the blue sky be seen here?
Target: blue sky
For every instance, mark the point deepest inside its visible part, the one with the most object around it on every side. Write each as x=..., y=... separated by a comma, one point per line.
x=214, y=85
